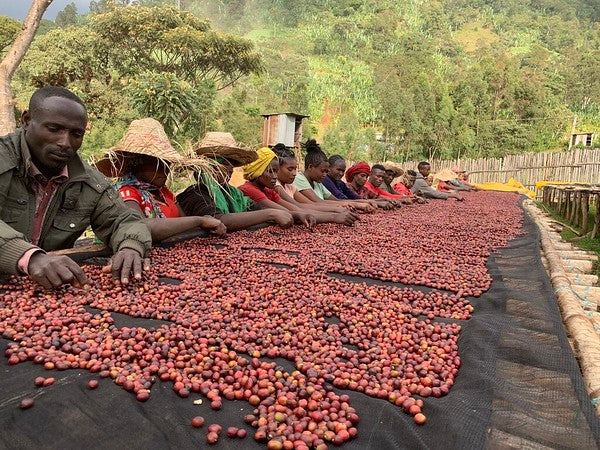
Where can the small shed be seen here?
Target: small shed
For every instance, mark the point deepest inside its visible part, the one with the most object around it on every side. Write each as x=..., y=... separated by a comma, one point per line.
x=283, y=127
x=585, y=139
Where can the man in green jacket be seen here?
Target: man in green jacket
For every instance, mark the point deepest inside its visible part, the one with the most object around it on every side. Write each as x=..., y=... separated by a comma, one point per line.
x=48, y=197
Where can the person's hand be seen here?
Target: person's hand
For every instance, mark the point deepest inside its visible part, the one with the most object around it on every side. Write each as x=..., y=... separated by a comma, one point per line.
x=385, y=205
x=366, y=207
x=346, y=218
x=457, y=196
x=305, y=218
x=214, y=226
x=407, y=200
x=282, y=218
x=125, y=263
x=52, y=271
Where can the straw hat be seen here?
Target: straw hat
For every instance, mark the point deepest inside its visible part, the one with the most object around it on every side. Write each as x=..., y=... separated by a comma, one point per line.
x=142, y=137
x=216, y=143
x=445, y=175
x=398, y=171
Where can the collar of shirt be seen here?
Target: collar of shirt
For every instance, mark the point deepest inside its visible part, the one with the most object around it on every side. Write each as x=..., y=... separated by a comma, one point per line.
x=40, y=178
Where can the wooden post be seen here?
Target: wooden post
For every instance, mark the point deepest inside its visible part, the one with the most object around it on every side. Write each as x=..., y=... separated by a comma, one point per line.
x=585, y=203
x=596, y=216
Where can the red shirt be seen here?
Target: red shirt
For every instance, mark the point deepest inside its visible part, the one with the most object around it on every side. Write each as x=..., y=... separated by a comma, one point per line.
x=381, y=192
x=443, y=186
x=167, y=205
x=400, y=188
x=257, y=195
x=44, y=191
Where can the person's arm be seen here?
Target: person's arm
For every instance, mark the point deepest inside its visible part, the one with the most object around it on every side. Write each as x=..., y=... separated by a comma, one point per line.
x=301, y=201
x=125, y=232
x=19, y=257
x=421, y=187
x=243, y=220
x=163, y=228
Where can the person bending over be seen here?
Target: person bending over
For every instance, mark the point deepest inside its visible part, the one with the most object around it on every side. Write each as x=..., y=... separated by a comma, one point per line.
x=422, y=187
x=49, y=196
x=262, y=178
x=334, y=183
x=391, y=172
x=141, y=161
x=356, y=177
x=376, y=180
x=213, y=195
x=310, y=182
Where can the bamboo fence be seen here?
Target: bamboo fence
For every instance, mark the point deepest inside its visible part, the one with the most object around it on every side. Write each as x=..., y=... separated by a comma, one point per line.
x=577, y=166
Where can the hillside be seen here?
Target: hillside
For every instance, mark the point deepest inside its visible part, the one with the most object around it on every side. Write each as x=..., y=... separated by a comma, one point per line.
x=382, y=79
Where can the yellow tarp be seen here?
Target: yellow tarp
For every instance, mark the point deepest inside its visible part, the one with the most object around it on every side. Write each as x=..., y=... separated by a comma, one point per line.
x=510, y=186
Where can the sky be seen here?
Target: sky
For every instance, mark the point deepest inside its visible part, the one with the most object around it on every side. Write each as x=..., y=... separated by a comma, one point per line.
x=17, y=9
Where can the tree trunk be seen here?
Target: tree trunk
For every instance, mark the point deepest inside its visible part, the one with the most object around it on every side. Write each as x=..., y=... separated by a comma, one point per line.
x=13, y=58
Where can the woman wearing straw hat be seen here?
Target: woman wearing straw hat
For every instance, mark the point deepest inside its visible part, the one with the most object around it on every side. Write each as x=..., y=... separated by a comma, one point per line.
x=141, y=160
x=213, y=195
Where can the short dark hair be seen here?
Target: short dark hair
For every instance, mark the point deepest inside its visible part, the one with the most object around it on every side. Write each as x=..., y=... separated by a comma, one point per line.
x=38, y=97
x=314, y=155
x=377, y=167
x=422, y=164
x=411, y=173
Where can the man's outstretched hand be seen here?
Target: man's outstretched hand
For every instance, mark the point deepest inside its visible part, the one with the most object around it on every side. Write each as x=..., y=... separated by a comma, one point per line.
x=52, y=271
x=127, y=264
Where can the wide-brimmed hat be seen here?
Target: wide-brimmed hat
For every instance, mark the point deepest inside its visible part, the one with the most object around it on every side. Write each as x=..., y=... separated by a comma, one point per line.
x=143, y=137
x=394, y=167
x=445, y=175
x=217, y=143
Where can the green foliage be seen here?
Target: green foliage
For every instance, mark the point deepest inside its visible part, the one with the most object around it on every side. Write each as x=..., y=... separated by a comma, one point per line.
x=164, y=39
x=460, y=78
x=9, y=28
x=168, y=99
x=67, y=17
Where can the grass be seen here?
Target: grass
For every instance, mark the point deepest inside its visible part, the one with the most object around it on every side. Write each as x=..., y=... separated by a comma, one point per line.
x=584, y=243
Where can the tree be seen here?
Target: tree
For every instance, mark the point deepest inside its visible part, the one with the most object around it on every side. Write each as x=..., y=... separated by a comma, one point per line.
x=13, y=58
x=67, y=17
x=9, y=29
x=164, y=39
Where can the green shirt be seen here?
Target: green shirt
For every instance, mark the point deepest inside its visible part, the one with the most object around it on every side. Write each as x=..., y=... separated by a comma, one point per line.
x=301, y=183
x=86, y=198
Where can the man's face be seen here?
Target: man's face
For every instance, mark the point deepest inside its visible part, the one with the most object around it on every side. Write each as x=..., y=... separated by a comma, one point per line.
x=388, y=176
x=337, y=170
x=425, y=170
x=410, y=181
x=376, y=177
x=54, y=133
x=360, y=179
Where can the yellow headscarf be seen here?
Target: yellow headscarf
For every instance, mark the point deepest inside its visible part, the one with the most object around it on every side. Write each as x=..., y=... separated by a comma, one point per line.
x=257, y=168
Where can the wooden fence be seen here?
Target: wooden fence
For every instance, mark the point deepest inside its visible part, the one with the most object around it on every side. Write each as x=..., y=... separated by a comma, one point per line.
x=577, y=166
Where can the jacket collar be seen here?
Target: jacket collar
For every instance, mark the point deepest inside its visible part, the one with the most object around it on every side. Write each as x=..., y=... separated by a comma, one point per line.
x=75, y=166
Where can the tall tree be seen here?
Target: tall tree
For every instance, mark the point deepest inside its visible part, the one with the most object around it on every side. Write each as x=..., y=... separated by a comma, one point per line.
x=13, y=58
x=67, y=16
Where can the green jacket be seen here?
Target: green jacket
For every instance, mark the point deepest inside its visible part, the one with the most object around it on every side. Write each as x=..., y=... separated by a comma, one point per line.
x=86, y=198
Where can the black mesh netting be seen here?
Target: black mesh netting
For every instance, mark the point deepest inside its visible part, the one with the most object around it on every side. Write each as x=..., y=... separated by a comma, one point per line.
x=519, y=386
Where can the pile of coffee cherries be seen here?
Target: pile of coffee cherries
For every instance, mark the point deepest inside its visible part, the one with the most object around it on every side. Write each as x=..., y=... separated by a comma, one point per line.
x=245, y=300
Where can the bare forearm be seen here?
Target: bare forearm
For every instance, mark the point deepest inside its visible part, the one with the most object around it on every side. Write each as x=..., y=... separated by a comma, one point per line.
x=243, y=220
x=163, y=228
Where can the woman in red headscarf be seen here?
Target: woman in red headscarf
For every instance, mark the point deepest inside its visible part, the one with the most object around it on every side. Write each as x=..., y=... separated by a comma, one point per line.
x=356, y=177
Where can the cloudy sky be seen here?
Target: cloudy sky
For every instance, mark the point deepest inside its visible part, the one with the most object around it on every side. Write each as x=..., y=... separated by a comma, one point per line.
x=18, y=8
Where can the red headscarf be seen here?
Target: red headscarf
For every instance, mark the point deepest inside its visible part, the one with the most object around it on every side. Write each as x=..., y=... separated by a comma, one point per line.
x=361, y=167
